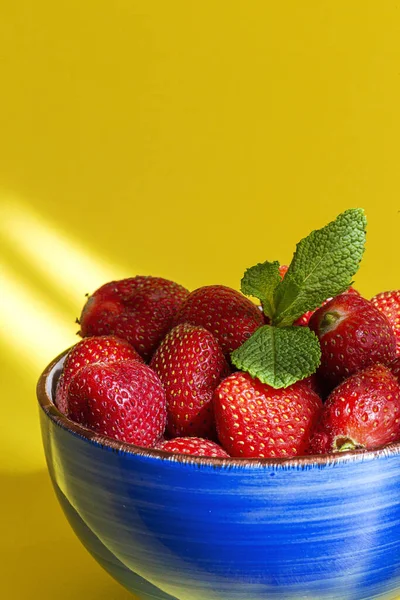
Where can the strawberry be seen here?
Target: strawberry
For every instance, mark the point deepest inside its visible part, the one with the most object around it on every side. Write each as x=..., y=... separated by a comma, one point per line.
x=362, y=412
x=255, y=420
x=190, y=364
x=124, y=400
x=283, y=270
x=395, y=368
x=192, y=445
x=230, y=316
x=353, y=334
x=312, y=383
x=139, y=309
x=105, y=349
x=389, y=304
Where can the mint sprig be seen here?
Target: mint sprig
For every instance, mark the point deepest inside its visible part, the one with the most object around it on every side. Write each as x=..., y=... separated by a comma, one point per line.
x=323, y=266
x=261, y=282
x=279, y=356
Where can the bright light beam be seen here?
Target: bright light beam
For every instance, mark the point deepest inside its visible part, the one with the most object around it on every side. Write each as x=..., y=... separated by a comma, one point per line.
x=66, y=264
x=28, y=323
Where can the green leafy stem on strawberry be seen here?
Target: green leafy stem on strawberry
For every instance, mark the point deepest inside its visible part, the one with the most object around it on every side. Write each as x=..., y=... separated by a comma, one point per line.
x=322, y=267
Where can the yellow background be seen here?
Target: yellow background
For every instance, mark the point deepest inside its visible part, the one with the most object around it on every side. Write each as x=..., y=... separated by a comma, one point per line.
x=188, y=140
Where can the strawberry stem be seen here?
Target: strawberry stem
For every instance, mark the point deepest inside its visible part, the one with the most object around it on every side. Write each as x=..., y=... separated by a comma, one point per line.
x=329, y=321
x=343, y=444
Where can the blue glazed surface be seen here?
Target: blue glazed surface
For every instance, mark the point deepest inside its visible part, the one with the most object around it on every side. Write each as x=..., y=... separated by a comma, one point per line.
x=107, y=560
x=240, y=530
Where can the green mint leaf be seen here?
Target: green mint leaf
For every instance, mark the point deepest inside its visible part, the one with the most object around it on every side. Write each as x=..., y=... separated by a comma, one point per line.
x=261, y=281
x=279, y=356
x=322, y=266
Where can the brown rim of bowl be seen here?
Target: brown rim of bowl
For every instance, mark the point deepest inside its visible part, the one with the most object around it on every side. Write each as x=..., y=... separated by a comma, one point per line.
x=61, y=420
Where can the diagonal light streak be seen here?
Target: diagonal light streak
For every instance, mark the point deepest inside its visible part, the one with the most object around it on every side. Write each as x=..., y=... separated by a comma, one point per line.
x=65, y=263
x=36, y=331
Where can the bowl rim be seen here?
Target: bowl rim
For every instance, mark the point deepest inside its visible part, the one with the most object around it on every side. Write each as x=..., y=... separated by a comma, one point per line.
x=311, y=461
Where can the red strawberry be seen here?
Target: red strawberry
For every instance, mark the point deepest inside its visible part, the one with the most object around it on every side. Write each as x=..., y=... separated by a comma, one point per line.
x=105, y=349
x=283, y=270
x=124, y=400
x=353, y=335
x=190, y=364
x=304, y=320
x=139, y=309
x=312, y=383
x=230, y=316
x=256, y=420
x=362, y=412
x=395, y=368
x=389, y=304
x=192, y=445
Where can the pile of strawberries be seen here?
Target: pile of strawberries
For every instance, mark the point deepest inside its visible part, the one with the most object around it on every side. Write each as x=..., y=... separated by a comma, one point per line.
x=155, y=368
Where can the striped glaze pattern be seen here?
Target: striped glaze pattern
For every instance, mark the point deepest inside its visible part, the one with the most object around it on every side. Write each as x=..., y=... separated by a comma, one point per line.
x=185, y=528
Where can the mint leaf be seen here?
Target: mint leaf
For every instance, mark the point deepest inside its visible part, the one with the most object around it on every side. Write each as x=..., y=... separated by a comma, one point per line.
x=279, y=356
x=322, y=266
x=261, y=281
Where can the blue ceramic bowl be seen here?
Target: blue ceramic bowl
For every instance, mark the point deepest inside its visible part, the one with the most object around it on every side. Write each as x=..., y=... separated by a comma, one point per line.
x=179, y=527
